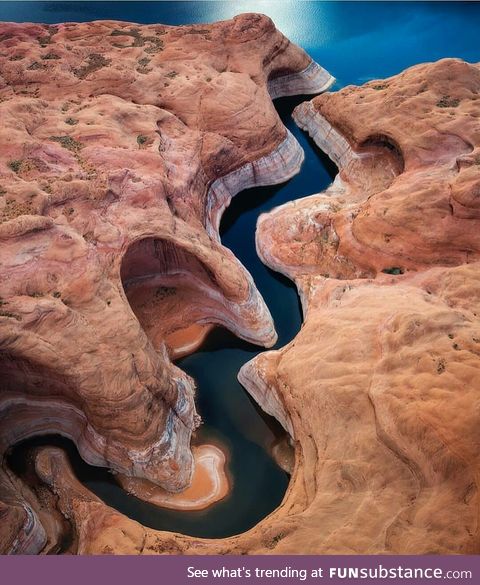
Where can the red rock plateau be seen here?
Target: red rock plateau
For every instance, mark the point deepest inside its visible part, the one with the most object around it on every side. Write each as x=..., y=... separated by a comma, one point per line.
x=379, y=390
x=121, y=145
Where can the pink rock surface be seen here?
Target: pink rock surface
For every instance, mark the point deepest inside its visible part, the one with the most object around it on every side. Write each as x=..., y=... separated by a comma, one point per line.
x=379, y=388
x=118, y=155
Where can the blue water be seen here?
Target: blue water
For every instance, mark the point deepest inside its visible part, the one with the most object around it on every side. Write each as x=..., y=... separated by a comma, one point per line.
x=356, y=42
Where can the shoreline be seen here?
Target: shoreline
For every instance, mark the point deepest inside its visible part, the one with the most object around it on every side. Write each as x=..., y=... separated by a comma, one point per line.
x=183, y=342
x=210, y=483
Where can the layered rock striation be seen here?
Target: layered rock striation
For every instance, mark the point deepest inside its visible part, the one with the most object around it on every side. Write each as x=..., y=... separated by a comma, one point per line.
x=122, y=144
x=379, y=389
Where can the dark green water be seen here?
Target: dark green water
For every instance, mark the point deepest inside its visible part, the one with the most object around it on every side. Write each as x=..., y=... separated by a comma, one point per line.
x=356, y=42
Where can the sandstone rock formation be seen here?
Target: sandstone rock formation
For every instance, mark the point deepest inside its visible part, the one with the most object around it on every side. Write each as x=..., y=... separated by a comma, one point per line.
x=378, y=390
x=380, y=387
x=121, y=146
x=209, y=483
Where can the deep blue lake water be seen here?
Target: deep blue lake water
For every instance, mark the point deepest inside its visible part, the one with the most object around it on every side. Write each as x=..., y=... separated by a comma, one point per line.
x=356, y=42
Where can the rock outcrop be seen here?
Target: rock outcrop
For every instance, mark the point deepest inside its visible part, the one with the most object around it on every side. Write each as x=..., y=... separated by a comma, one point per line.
x=121, y=146
x=379, y=389
x=380, y=386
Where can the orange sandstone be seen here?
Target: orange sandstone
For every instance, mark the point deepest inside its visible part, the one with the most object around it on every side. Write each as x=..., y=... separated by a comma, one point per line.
x=118, y=156
x=209, y=483
x=379, y=388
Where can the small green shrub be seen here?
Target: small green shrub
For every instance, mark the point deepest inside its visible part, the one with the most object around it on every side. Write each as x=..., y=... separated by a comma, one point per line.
x=35, y=65
x=395, y=270
x=94, y=62
x=15, y=165
x=11, y=315
x=448, y=102
x=68, y=142
x=50, y=56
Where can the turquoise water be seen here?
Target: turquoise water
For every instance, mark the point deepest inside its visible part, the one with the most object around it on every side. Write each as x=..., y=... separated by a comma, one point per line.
x=356, y=42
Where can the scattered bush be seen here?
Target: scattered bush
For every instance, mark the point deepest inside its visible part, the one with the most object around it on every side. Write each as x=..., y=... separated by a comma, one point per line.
x=11, y=315
x=15, y=165
x=68, y=142
x=94, y=62
x=448, y=102
x=35, y=65
x=395, y=270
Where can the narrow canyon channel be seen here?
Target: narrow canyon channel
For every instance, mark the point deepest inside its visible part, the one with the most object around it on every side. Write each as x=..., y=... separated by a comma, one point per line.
x=230, y=417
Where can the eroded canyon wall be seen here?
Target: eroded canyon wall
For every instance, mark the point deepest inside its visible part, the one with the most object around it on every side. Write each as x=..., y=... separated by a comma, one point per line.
x=121, y=146
x=381, y=385
x=379, y=389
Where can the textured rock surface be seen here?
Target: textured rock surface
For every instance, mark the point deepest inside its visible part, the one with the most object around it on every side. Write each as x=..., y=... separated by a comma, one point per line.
x=209, y=483
x=387, y=364
x=118, y=155
x=378, y=390
x=380, y=387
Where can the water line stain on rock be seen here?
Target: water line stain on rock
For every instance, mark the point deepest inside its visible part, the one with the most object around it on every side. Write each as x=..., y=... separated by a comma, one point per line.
x=102, y=245
x=118, y=237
